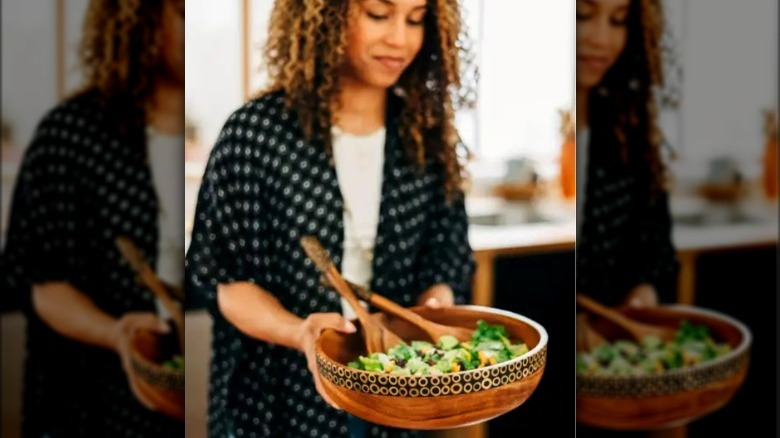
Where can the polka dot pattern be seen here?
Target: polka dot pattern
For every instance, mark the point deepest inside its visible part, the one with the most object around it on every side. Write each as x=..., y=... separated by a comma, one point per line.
x=625, y=237
x=265, y=187
x=80, y=186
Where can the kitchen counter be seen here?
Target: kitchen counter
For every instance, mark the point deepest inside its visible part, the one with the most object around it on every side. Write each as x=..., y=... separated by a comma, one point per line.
x=693, y=240
x=490, y=242
x=759, y=229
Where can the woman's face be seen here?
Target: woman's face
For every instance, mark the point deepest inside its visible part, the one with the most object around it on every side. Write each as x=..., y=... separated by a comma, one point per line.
x=601, y=37
x=172, y=40
x=384, y=36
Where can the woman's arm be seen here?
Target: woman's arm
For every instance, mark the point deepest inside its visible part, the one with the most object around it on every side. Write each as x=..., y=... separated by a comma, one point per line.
x=258, y=314
x=72, y=314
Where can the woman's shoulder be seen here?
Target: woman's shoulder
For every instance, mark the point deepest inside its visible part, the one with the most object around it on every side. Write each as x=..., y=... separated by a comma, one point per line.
x=76, y=112
x=262, y=111
x=258, y=125
x=67, y=125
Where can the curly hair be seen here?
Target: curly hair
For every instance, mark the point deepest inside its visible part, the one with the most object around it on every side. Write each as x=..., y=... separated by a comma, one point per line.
x=306, y=48
x=119, y=50
x=623, y=103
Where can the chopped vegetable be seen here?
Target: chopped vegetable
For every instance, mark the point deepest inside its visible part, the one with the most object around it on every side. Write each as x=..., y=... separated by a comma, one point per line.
x=175, y=363
x=489, y=345
x=692, y=345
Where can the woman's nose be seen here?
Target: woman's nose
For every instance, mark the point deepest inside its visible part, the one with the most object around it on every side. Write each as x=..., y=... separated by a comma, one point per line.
x=599, y=33
x=396, y=33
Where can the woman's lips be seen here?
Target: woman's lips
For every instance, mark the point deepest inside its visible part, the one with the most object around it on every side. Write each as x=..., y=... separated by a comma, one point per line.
x=391, y=62
x=594, y=62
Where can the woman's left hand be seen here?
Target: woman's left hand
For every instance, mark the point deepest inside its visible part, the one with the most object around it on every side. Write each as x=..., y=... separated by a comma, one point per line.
x=643, y=295
x=437, y=296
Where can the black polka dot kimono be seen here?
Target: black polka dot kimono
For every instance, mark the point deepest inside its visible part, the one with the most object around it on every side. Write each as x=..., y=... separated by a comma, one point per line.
x=626, y=237
x=80, y=185
x=265, y=186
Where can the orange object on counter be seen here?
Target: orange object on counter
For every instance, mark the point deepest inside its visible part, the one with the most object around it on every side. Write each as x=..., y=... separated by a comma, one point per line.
x=770, y=154
x=568, y=156
x=770, y=169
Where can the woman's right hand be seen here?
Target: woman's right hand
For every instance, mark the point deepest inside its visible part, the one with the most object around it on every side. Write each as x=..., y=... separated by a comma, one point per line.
x=122, y=333
x=310, y=330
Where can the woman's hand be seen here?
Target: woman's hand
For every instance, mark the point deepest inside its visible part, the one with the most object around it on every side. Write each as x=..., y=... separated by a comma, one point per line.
x=437, y=296
x=310, y=330
x=122, y=333
x=643, y=295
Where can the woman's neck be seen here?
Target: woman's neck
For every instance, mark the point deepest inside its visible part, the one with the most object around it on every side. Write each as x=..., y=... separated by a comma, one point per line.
x=582, y=108
x=362, y=108
x=166, y=109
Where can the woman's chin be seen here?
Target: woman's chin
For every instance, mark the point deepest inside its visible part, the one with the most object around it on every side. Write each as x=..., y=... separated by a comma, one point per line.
x=381, y=80
x=588, y=80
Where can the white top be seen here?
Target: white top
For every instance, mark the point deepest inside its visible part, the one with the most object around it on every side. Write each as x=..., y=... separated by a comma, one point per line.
x=166, y=155
x=583, y=138
x=359, y=163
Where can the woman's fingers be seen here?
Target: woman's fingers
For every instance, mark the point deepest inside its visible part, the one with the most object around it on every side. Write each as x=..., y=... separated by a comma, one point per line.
x=130, y=324
x=149, y=321
x=643, y=295
x=312, y=364
x=323, y=394
x=433, y=303
x=315, y=324
x=138, y=394
x=337, y=322
x=437, y=296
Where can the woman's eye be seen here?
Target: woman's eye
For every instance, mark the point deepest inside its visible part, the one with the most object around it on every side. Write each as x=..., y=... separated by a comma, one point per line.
x=377, y=17
x=619, y=22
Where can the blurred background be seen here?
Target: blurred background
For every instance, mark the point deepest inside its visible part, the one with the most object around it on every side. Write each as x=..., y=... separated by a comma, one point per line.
x=31, y=85
x=718, y=114
x=521, y=201
x=720, y=118
x=40, y=68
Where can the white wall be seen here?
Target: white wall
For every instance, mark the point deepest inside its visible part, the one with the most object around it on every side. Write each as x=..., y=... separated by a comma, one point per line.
x=730, y=73
x=527, y=65
x=526, y=55
x=28, y=67
x=29, y=90
x=213, y=87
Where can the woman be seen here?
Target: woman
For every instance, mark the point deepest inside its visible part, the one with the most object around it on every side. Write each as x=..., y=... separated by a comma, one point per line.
x=355, y=144
x=92, y=173
x=624, y=249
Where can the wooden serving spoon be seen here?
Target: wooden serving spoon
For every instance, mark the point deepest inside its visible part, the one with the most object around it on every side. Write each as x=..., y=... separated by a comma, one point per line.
x=133, y=256
x=377, y=337
x=433, y=329
x=587, y=337
x=637, y=329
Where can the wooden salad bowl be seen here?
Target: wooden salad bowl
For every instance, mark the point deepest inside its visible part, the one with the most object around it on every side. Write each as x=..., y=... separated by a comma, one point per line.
x=434, y=402
x=162, y=386
x=675, y=397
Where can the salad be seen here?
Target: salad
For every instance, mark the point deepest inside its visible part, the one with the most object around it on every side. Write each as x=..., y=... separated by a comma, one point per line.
x=692, y=345
x=175, y=363
x=489, y=345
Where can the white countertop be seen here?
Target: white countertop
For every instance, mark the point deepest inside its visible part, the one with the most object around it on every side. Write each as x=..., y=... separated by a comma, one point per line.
x=713, y=237
x=533, y=235
x=759, y=224
x=761, y=228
